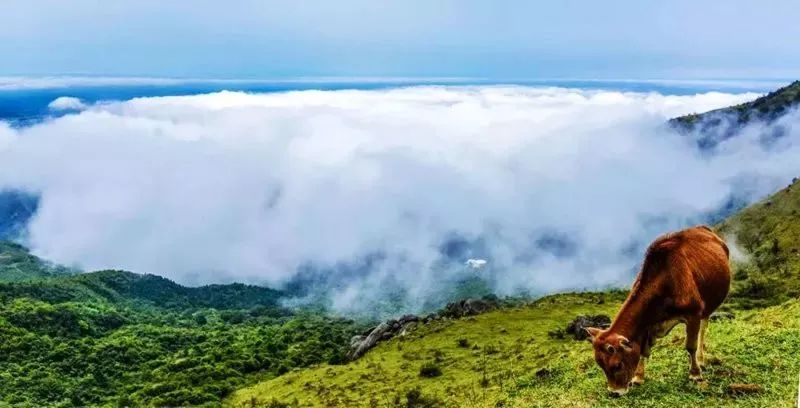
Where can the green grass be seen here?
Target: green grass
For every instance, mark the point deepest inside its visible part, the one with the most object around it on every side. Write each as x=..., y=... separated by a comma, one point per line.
x=768, y=232
x=511, y=361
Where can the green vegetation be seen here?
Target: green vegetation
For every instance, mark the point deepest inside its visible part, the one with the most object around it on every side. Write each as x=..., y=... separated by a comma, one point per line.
x=768, y=233
x=118, y=338
x=16, y=265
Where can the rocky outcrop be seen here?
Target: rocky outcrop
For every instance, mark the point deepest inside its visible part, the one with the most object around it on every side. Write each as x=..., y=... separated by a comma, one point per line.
x=577, y=328
x=362, y=343
x=467, y=307
x=717, y=316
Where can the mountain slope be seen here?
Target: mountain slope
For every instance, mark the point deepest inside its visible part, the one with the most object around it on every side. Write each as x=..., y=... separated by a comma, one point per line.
x=718, y=125
x=510, y=360
x=769, y=233
x=17, y=264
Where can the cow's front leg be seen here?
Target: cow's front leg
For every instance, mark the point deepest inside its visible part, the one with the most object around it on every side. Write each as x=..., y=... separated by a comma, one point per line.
x=638, y=376
x=692, y=345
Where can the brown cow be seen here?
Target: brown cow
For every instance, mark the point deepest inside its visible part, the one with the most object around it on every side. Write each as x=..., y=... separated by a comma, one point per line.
x=684, y=278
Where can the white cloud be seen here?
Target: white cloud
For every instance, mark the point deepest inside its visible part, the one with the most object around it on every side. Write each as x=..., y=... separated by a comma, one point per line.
x=555, y=188
x=66, y=103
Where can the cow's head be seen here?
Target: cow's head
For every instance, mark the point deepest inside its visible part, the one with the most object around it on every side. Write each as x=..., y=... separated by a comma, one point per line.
x=617, y=356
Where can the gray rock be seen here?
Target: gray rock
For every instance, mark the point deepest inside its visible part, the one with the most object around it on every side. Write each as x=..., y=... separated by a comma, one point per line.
x=356, y=340
x=577, y=328
x=722, y=316
x=358, y=349
x=408, y=318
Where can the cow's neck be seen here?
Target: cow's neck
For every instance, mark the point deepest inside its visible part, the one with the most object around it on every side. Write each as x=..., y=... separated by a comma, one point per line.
x=634, y=317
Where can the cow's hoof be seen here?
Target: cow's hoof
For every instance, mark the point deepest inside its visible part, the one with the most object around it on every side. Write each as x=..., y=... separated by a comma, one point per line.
x=696, y=377
x=637, y=380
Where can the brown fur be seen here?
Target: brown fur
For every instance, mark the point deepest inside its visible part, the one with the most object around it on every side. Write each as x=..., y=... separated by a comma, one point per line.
x=684, y=278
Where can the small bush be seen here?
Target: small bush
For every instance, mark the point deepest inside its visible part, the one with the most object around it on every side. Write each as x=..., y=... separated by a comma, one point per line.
x=273, y=403
x=463, y=343
x=415, y=399
x=558, y=334
x=430, y=370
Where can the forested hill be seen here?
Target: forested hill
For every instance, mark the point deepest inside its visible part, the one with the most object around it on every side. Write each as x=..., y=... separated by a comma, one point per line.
x=124, y=339
x=27, y=271
x=718, y=125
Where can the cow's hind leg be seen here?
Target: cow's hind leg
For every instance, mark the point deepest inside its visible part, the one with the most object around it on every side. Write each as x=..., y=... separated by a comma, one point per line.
x=692, y=345
x=638, y=376
x=701, y=350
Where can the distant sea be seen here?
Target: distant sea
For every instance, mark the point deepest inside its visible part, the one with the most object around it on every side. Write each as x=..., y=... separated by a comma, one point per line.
x=24, y=101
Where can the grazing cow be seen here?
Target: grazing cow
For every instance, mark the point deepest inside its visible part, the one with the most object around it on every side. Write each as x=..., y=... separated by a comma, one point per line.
x=685, y=276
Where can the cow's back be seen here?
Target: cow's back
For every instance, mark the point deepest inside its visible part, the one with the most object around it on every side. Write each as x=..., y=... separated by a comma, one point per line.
x=692, y=264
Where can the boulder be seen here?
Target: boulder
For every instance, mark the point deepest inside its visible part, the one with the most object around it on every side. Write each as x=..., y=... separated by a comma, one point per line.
x=468, y=307
x=717, y=316
x=356, y=340
x=577, y=327
x=358, y=348
x=408, y=318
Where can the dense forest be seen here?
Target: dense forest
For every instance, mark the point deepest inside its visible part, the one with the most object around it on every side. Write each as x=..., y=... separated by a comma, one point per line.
x=119, y=338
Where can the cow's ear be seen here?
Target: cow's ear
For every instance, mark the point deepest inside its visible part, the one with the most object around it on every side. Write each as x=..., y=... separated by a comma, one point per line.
x=625, y=343
x=592, y=332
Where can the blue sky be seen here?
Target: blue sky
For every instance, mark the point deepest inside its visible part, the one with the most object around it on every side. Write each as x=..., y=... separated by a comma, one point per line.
x=487, y=39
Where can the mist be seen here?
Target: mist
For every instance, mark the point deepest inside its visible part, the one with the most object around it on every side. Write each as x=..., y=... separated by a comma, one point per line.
x=370, y=195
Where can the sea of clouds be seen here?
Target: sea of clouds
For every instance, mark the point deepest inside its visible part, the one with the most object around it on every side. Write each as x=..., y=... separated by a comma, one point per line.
x=400, y=189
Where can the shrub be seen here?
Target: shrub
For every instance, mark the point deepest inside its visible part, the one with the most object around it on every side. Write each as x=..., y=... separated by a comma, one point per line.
x=430, y=370
x=415, y=399
x=273, y=403
x=463, y=343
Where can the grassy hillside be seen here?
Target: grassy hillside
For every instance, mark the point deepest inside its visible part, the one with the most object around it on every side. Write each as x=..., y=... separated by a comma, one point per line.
x=768, y=233
x=506, y=357
x=509, y=360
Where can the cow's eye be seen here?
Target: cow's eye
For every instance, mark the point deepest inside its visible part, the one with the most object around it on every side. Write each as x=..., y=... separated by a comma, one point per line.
x=609, y=349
